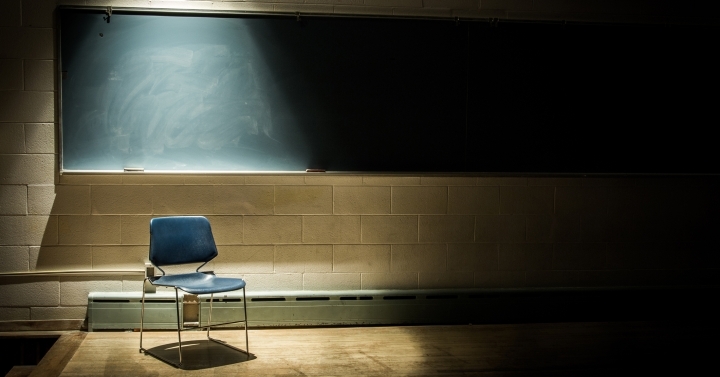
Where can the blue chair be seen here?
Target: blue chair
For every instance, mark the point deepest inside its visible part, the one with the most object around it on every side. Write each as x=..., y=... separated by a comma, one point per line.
x=184, y=240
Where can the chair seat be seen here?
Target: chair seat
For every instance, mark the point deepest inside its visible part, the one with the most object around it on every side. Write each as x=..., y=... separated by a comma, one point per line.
x=199, y=283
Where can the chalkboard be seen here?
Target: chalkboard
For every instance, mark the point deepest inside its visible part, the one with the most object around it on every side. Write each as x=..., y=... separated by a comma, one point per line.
x=179, y=92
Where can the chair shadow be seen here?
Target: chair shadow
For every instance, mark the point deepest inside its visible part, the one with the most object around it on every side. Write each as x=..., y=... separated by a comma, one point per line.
x=199, y=354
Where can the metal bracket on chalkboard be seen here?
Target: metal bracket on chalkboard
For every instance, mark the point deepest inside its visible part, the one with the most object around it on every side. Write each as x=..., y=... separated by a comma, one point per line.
x=133, y=169
x=297, y=16
x=108, y=11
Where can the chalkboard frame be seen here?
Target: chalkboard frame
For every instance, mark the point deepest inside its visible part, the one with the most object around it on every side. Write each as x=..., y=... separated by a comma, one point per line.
x=691, y=154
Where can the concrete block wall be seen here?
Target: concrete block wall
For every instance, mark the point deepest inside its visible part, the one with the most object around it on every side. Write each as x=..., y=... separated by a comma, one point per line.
x=322, y=231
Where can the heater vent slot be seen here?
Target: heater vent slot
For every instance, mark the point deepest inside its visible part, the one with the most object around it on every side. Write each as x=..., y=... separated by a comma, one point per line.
x=482, y=296
x=312, y=299
x=265, y=299
x=441, y=297
x=399, y=297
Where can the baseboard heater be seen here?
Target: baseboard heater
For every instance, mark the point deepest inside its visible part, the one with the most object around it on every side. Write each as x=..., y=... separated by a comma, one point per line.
x=121, y=310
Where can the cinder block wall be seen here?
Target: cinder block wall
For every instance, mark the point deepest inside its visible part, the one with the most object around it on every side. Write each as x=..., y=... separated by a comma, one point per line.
x=328, y=231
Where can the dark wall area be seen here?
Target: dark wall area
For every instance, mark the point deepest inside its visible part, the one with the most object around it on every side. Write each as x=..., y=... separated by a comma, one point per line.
x=591, y=98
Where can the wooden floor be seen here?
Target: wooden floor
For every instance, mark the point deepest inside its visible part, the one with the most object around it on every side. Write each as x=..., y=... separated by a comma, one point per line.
x=561, y=349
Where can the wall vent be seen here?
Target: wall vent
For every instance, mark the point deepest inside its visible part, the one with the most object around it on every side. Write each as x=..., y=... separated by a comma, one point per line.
x=121, y=310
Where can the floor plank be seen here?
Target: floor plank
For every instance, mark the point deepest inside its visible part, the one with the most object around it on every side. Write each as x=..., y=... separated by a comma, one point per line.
x=489, y=350
x=57, y=358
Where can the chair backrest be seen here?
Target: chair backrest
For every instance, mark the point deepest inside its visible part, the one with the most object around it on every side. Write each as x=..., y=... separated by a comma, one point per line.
x=181, y=240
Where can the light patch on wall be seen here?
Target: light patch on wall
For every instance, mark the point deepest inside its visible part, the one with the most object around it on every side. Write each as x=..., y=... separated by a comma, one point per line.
x=168, y=93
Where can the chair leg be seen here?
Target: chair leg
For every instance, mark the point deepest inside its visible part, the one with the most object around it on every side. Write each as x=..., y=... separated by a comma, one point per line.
x=210, y=316
x=152, y=353
x=247, y=343
x=224, y=343
x=142, y=314
x=177, y=307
